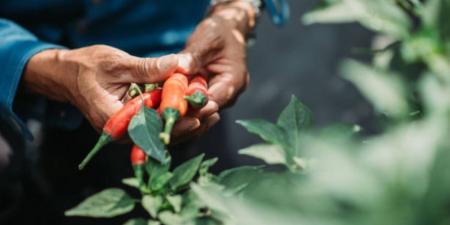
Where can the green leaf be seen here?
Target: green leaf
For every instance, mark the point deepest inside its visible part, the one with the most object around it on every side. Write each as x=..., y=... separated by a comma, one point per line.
x=169, y=218
x=185, y=172
x=335, y=13
x=237, y=178
x=271, y=154
x=161, y=181
x=435, y=15
x=204, y=167
x=294, y=119
x=438, y=196
x=204, y=194
x=131, y=181
x=153, y=222
x=105, y=204
x=141, y=221
x=300, y=163
x=207, y=221
x=144, y=130
x=152, y=204
x=175, y=201
x=385, y=90
x=136, y=221
x=381, y=15
x=268, y=131
x=155, y=168
x=159, y=174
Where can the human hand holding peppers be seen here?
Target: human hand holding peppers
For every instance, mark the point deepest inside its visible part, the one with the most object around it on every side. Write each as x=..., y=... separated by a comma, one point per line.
x=95, y=79
x=217, y=47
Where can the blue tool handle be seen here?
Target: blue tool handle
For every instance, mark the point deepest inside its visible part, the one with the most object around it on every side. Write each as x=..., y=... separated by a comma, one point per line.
x=278, y=10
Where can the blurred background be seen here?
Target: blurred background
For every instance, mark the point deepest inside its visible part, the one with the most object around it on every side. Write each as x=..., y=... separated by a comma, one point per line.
x=303, y=61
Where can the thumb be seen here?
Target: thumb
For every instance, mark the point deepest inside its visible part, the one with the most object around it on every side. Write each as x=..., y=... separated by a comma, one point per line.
x=152, y=70
x=188, y=64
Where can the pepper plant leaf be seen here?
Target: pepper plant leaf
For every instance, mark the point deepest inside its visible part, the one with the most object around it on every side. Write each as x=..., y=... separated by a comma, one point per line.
x=437, y=196
x=175, y=201
x=384, y=89
x=144, y=130
x=159, y=174
x=204, y=167
x=185, y=172
x=131, y=181
x=170, y=218
x=152, y=204
x=270, y=154
x=161, y=181
x=268, y=131
x=139, y=221
x=294, y=119
x=236, y=179
x=381, y=15
x=435, y=15
x=105, y=204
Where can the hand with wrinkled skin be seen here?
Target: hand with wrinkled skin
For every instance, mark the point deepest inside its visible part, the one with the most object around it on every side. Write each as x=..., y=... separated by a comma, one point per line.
x=95, y=79
x=217, y=47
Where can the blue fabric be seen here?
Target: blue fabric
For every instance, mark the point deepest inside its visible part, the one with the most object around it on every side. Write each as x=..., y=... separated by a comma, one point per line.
x=139, y=27
x=16, y=46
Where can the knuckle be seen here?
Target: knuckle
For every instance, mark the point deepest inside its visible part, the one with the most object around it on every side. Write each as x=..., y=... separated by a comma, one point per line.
x=150, y=65
x=141, y=68
x=100, y=47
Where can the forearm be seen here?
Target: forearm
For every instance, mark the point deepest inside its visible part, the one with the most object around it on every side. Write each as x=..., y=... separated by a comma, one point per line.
x=47, y=74
x=240, y=13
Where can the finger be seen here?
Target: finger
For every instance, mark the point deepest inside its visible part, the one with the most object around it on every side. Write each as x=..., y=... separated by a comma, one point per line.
x=152, y=70
x=206, y=111
x=222, y=89
x=206, y=125
x=189, y=63
x=185, y=125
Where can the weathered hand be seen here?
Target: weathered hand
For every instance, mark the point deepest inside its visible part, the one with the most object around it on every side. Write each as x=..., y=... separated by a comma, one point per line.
x=95, y=79
x=217, y=47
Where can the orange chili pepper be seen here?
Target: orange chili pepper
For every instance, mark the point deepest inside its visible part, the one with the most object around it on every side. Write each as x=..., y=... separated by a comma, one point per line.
x=173, y=105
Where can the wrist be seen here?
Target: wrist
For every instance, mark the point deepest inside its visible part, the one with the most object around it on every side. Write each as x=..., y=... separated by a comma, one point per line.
x=46, y=74
x=241, y=14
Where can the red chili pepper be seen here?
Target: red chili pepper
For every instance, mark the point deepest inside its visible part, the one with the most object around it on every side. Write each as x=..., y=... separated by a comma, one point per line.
x=137, y=156
x=197, y=93
x=173, y=104
x=138, y=159
x=117, y=125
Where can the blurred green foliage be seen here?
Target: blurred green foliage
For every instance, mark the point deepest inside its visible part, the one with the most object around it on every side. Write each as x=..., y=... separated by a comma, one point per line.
x=399, y=176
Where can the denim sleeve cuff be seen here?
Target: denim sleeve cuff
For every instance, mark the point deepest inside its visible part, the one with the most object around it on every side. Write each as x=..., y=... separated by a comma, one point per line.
x=14, y=56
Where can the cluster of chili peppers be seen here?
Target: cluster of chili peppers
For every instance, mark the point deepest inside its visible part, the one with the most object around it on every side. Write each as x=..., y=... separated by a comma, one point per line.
x=172, y=100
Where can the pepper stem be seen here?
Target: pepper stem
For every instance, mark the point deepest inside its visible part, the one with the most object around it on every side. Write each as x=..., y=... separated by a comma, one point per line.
x=170, y=117
x=196, y=100
x=139, y=174
x=134, y=90
x=150, y=87
x=102, y=141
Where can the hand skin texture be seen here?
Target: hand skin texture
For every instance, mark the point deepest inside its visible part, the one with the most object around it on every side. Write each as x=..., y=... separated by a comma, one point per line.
x=217, y=47
x=96, y=78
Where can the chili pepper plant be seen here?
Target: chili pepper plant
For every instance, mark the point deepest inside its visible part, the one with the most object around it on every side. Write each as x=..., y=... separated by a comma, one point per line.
x=336, y=175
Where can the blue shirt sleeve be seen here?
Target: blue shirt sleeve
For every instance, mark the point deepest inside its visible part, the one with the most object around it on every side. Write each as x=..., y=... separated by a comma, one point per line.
x=17, y=46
